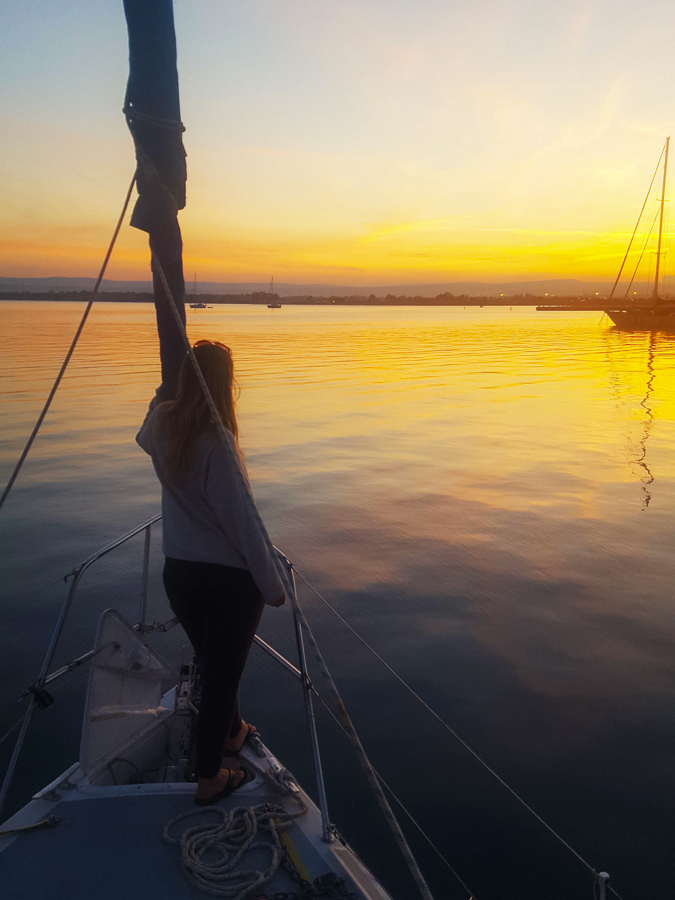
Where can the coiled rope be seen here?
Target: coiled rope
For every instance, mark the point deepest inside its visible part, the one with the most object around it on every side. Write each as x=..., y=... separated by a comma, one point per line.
x=71, y=350
x=228, y=840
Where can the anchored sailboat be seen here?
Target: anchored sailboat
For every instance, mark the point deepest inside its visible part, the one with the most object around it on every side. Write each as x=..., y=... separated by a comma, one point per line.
x=657, y=314
x=275, y=302
x=196, y=304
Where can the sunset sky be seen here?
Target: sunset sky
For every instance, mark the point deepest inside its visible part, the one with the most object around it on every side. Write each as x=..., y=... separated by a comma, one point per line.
x=371, y=142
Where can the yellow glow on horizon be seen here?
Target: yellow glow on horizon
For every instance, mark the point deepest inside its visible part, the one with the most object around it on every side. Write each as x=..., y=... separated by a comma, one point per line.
x=423, y=251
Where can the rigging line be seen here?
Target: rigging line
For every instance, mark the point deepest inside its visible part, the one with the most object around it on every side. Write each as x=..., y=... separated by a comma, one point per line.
x=71, y=350
x=630, y=243
x=650, y=263
x=365, y=763
x=637, y=265
x=29, y=595
x=447, y=727
x=217, y=419
x=396, y=798
x=649, y=234
x=9, y=772
x=11, y=729
x=426, y=837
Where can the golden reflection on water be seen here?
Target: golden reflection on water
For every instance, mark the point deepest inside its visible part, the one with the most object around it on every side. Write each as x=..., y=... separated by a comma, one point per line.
x=486, y=494
x=518, y=459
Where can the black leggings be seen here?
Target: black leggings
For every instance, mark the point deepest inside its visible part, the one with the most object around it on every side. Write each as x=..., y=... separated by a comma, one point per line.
x=219, y=608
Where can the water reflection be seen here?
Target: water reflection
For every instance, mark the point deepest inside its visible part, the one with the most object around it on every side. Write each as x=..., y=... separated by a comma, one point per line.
x=465, y=485
x=641, y=366
x=641, y=460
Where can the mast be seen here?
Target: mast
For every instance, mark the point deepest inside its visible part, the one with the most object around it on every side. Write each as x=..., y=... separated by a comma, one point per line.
x=656, y=297
x=152, y=110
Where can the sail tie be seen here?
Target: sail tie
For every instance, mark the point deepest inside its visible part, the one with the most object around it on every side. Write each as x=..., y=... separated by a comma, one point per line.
x=170, y=124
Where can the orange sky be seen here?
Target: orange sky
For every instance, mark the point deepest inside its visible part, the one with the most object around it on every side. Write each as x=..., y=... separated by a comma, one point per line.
x=350, y=143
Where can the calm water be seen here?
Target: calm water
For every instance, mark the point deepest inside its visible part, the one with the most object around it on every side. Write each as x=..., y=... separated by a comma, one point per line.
x=487, y=496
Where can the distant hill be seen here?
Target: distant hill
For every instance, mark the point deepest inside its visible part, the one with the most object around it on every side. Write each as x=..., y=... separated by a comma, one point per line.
x=558, y=287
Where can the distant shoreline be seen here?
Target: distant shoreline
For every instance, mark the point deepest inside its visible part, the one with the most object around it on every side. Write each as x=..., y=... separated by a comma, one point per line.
x=260, y=298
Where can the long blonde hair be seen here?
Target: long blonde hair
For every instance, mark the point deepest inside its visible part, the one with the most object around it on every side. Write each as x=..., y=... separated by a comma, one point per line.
x=189, y=415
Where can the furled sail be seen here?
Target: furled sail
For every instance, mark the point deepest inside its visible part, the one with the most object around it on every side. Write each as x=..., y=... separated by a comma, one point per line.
x=152, y=110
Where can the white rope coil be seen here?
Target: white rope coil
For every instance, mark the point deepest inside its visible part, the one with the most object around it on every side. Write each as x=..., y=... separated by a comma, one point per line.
x=227, y=841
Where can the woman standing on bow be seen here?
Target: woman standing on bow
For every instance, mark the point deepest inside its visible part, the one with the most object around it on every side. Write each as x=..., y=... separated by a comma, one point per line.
x=220, y=566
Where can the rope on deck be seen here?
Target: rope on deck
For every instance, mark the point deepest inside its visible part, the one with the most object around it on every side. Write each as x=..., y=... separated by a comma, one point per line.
x=226, y=842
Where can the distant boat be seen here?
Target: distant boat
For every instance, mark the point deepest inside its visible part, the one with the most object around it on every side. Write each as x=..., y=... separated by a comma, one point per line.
x=656, y=314
x=274, y=303
x=196, y=304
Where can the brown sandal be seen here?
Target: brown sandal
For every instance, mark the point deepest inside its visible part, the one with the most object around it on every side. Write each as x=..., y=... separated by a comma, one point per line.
x=250, y=730
x=233, y=782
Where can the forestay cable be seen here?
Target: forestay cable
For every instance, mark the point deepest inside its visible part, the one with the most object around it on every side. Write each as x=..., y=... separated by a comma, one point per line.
x=637, y=224
x=637, y=264
x=366, y=765
x=48, y=403
x=451, y=730
x=398, y=800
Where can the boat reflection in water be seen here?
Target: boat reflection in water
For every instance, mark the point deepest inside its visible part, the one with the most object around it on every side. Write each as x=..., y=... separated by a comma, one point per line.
x=620, y=347
x=647, y=477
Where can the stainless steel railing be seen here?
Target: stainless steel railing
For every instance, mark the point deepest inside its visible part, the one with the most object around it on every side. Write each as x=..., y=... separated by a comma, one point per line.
x=41, y=699
x=38, y=696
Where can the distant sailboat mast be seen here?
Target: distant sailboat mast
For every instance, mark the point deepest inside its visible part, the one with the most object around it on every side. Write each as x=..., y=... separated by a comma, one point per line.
x=196, y=304
x=655, y=294
x=656, y=297
x=274, y=302
x=635, y=314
